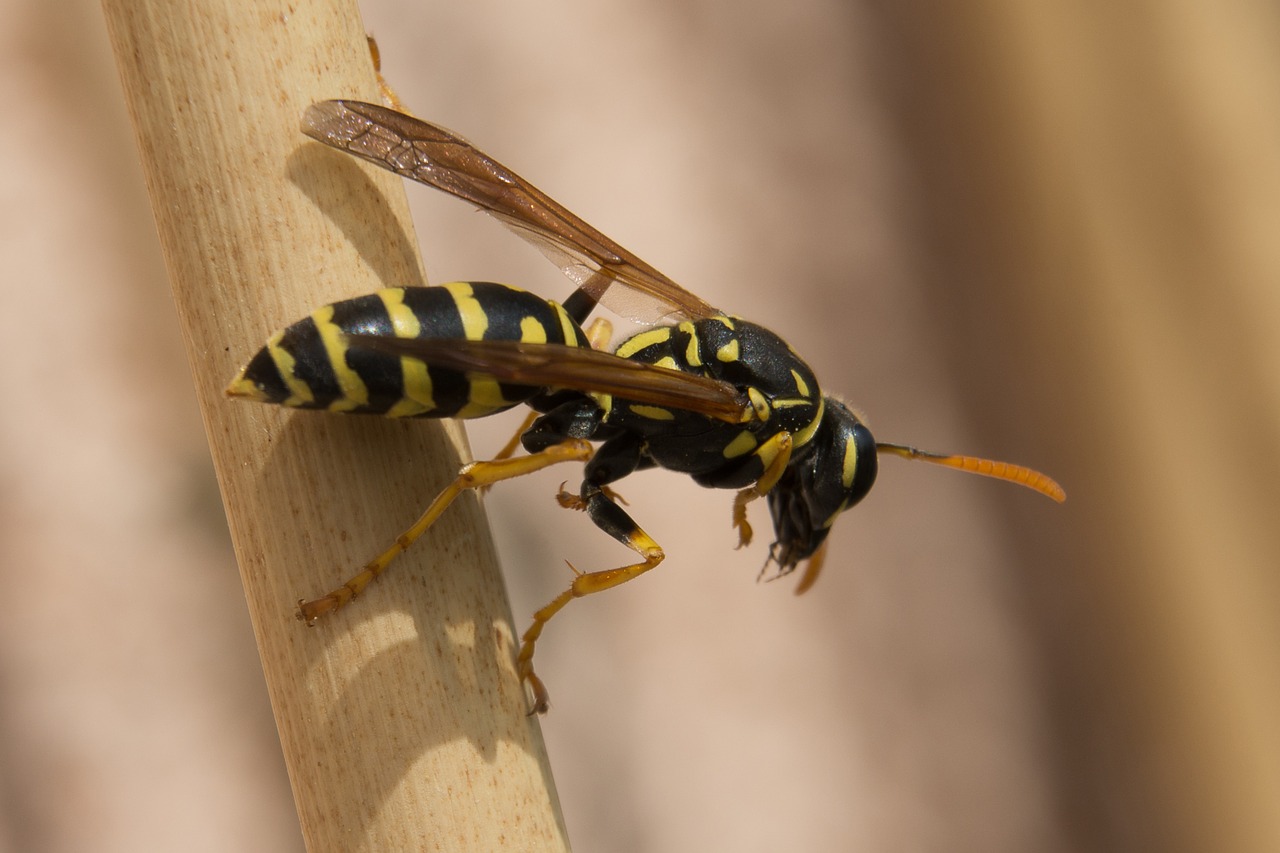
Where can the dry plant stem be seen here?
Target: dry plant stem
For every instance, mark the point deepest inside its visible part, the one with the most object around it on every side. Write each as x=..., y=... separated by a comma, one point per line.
x=402, y=719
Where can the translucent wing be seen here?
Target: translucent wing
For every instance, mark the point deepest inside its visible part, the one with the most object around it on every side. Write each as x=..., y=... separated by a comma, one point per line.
x=573, y=368
x=434, y=156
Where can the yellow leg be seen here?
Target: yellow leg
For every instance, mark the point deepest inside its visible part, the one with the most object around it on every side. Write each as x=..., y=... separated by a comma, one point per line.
x=569, y=500
x=473, y=476
x=389, y=96
x=599, y=333
x=513, y=444
x=777, y=451
x=583, y=584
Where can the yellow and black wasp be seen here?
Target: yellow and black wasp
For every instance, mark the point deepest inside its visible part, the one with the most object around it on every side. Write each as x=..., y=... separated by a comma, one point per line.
x=700, y=392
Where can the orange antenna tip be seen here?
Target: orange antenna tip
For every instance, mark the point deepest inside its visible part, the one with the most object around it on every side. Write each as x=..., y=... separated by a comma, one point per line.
x=1023, y=476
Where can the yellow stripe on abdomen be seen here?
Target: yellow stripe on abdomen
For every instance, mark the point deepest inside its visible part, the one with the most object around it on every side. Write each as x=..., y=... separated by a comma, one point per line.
x=484, y=395
x=419, y=392
x=300, y=393
x=354, y=392
x=475, y=322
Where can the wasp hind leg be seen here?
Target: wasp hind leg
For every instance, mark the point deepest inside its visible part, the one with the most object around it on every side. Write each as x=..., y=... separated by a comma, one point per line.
x=476, y=475
x=509, y=449
x=612, y=519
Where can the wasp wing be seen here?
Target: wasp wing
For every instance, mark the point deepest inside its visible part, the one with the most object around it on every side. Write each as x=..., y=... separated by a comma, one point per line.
x=439, y=158
x=573, y=368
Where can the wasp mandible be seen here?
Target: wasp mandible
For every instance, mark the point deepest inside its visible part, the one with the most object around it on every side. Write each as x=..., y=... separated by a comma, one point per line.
x=699, y=392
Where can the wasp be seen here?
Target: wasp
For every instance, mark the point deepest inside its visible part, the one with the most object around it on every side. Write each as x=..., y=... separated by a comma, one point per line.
x=698, y=391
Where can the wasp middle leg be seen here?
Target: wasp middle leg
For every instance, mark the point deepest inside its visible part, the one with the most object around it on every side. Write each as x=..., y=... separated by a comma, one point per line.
x=615, y=459
x=611, y=518
x=776, y=455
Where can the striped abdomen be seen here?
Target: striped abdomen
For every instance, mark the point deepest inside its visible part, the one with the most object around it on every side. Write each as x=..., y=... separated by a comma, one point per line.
x=310, y=366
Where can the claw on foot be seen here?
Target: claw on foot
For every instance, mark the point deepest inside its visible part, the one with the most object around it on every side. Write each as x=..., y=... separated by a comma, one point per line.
x=310, y=611
x=740, y=523
x=541, y=701
x=569, y=500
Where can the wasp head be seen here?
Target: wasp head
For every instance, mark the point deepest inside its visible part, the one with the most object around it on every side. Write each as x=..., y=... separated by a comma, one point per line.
x=832, y=472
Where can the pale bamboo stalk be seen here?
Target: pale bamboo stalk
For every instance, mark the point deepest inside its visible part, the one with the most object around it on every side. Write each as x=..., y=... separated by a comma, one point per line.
x=401, y=718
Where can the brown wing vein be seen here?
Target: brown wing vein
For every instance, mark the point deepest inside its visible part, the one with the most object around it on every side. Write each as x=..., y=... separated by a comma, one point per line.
x=434, y=156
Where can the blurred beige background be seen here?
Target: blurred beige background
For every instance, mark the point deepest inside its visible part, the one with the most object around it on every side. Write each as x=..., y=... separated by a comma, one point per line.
x=1032, y=231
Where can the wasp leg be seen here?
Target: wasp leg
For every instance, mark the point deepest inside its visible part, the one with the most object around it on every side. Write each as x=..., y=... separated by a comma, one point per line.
x=569, y=500
x=620, y=456
x=472, y=476
x=389, y=96
x=599, y=333
x=777, y=455
x=509, y=449
x=611, y=518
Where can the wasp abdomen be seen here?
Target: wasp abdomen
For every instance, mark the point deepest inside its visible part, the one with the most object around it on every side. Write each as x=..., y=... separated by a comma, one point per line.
x=312, y=365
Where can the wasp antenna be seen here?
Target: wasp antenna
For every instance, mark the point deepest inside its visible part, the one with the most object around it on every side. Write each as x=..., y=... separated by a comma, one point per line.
x=1023, y=476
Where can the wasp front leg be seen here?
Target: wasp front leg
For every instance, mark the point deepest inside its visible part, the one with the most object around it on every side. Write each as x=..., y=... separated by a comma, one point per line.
x=615, y=459
x=611, y=518
x=775, y=454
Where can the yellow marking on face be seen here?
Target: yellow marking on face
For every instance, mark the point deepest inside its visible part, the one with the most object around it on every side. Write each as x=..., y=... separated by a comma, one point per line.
x=740, y=446
x=850, y=463
x=475, y=322
x=801, y=385
x=802, y=437
x=729, y=352
x=832, y=518
x=653, y=413
x=642, y=340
